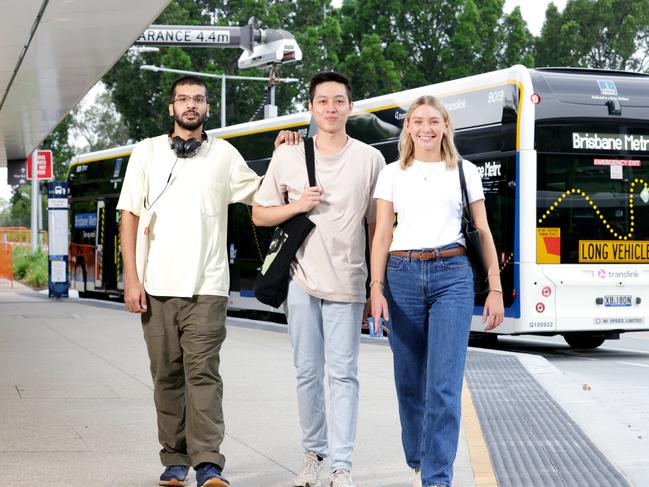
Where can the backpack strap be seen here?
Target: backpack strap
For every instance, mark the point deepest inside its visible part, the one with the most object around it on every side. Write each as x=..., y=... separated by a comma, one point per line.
x=310, y=160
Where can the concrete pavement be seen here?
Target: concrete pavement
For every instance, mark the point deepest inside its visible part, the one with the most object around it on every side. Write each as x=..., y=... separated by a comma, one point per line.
x=77, y=406
x=77, y=403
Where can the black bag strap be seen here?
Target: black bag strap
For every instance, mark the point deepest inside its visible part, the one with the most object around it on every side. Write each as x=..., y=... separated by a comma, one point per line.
x=465, y=195
x=310, y=160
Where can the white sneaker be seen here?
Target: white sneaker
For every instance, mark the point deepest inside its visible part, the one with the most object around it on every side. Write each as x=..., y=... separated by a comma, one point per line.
x=309, y=476
x=341, y=478
x=416, y=481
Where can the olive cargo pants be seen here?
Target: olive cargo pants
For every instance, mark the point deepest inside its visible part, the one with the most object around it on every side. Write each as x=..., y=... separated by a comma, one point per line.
x=184, y=338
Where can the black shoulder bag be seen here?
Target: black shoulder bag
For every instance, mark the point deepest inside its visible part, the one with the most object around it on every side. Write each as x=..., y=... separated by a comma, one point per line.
x=271, y=285
x=472, y=240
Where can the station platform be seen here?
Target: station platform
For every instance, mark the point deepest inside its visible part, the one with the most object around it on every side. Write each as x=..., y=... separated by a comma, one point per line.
x=77, y=408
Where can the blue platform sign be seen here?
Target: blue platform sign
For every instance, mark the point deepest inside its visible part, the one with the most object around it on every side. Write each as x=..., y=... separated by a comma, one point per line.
x=85, y=220
x=57, y=218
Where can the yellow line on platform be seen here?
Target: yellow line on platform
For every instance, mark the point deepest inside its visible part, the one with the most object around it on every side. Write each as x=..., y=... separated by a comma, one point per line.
x=483, y=471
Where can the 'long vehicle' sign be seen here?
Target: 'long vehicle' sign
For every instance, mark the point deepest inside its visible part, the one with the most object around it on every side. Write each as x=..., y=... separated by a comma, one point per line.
x=612, y=251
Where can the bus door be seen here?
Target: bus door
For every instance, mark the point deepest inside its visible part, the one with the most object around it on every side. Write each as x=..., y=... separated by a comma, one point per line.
x=106, y=246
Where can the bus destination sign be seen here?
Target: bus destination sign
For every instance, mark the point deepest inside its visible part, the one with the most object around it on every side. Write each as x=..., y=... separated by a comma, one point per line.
x=613, y=251
x=616, y=142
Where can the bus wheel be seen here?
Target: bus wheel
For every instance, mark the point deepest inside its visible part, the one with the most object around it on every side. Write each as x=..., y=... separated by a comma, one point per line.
x=583, y=341
x=483, y=340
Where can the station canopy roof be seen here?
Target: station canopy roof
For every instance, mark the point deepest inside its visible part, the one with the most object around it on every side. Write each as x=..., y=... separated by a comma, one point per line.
x=51, y=53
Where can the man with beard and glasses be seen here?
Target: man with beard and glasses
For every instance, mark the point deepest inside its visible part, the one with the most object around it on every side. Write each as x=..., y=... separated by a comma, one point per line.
x=174, y=204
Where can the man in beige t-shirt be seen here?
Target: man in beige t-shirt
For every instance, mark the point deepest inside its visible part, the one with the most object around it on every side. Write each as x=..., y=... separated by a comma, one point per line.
x=326, y=295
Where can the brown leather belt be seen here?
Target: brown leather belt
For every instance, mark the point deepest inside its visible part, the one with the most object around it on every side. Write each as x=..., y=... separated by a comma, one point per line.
x=431, y=255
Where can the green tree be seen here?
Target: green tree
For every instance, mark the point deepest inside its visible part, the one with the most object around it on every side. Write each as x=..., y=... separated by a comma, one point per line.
x=606, y=34
x=142, y=97
x=518, y=43
x=383, y=45
x=553, y=46
x=460, y=55
x=98, y=125
x=415, y=35
x=18, y=212
x=369, y=69
x=320, y=45
x=489, y=32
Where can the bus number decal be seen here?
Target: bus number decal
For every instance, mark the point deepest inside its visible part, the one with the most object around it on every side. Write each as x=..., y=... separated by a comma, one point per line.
x=613, y=251
x=496, y=96
x=540, y=324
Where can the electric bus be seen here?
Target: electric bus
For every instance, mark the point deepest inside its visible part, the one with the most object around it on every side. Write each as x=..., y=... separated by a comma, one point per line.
x=564, y=159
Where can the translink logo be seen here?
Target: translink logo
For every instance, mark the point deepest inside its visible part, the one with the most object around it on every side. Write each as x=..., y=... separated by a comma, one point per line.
x=628, y=274
x=607, y=87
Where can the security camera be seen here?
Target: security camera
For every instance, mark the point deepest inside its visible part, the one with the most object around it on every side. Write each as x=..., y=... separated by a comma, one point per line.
x=277, y=47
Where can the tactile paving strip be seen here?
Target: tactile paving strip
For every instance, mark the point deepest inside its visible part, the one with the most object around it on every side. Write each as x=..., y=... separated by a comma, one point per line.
x=532, y=441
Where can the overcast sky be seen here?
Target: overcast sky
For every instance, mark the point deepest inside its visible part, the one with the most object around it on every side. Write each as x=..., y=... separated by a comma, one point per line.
x=533, y=12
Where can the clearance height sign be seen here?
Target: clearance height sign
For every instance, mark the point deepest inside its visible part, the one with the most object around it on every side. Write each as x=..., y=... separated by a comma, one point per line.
x=613, y=251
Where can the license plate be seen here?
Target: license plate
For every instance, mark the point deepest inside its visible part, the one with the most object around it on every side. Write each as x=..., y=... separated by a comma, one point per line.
x=617, y=300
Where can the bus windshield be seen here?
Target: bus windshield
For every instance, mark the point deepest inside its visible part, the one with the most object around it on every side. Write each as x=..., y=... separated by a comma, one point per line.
x=593, y=207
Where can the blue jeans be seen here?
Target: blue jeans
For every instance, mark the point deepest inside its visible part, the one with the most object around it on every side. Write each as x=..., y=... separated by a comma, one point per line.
x=430, y=304
x=326, y=332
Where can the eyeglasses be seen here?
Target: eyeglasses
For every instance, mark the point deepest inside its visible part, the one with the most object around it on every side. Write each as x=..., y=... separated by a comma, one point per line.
x=184, y=99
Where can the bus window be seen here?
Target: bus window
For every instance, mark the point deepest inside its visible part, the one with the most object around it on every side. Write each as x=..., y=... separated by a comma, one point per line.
x=594, y=206
x=498, y=176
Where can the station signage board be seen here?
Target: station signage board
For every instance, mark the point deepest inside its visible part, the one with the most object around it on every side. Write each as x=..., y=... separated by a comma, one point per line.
x=192, y=36
x=45, y=169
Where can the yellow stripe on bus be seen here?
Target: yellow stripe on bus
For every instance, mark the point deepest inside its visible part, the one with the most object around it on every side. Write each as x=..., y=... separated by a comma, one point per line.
x=267, y=129
x=114, y=156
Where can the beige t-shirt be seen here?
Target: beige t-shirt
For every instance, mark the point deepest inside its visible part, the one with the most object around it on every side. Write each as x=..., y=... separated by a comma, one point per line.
x=331, y=263
x=188, y=232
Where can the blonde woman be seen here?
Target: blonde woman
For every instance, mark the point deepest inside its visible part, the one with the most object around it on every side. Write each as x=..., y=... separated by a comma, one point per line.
x=422, y=284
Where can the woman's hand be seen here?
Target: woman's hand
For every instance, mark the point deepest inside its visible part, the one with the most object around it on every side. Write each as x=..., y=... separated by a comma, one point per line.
x=494, y=310
x=379, y=306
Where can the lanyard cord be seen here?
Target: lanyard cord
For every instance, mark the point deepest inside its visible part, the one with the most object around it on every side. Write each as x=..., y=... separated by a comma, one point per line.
x=163, y=189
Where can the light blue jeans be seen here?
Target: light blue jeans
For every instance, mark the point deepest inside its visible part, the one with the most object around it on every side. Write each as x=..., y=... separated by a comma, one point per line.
x=326, y=332
x=430, y=304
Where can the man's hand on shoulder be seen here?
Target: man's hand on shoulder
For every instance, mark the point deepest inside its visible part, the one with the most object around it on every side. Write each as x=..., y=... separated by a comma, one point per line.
x=287, y=137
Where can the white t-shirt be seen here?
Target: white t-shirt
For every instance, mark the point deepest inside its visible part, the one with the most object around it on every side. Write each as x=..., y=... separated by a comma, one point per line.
x=331, y=263
x=427, y=199
x=188, y=232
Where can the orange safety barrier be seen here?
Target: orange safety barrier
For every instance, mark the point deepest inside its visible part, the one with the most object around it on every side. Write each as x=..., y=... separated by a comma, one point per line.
x=6, y=262
x=20, y=236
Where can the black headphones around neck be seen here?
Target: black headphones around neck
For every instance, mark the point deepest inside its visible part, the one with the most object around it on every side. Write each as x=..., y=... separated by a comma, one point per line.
x=185, y=148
